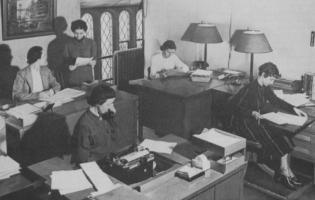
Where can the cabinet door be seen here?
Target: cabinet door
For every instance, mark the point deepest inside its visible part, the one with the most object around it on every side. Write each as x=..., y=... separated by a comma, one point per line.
x=205, y=195
x=231, y=188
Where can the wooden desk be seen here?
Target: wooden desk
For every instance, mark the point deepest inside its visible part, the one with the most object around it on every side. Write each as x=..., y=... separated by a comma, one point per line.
x=126, y=117
x=214, y=185
x=18, y=184
x=175, y=105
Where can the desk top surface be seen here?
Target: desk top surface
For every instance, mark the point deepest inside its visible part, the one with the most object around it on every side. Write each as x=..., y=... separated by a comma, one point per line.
x=163, y=187
x=183, y=86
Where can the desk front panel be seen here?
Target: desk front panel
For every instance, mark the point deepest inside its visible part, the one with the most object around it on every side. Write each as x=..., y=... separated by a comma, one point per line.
x=167, y=113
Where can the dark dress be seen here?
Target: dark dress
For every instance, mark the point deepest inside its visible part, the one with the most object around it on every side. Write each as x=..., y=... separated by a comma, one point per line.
x=85, y=48
x=253, y=97
x=93, y=139
x=7, y=77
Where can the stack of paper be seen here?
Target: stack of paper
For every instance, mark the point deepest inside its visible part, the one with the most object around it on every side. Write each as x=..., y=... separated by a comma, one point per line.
x=284, y=118
x=22, y=110
x=8, y=167
x=201, y=75
x=69, y=181
x=159, y=146
x=64, y=96
x=296, y=99
x=26, y=112
x=100, y=180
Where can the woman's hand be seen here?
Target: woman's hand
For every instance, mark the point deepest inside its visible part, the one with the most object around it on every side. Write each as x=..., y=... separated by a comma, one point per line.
x=72, y=67
x=299, y=112
x=257, y=115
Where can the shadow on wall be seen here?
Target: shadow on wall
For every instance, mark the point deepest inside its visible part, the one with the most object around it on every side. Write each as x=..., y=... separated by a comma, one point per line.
x=55, y=50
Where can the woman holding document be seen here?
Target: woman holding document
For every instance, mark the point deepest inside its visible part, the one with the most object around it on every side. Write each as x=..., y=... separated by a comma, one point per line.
x=248, y=105
x=79, y=54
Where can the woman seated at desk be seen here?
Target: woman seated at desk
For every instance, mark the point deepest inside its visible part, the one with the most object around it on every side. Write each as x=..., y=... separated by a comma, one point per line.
x=95, y=132
x=36, y=80
x=166, y=63
x=248, y=104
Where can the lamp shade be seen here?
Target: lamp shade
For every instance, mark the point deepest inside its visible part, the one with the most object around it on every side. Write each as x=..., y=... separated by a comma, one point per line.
x=252, y=42
x=202, y=33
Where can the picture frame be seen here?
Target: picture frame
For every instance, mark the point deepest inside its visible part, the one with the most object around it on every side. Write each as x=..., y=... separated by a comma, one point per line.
x=27, y=18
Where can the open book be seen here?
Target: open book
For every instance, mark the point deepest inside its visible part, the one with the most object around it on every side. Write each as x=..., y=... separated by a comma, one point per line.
x=284, y=118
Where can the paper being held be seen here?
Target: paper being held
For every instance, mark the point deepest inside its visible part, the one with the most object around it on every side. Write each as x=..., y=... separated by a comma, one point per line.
x=80, y=61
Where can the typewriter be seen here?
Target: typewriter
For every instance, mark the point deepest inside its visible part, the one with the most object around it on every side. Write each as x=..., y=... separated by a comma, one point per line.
x=130, y=166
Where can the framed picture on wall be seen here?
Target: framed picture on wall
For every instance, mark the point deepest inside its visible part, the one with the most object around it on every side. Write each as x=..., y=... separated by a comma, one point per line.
x=27, y=18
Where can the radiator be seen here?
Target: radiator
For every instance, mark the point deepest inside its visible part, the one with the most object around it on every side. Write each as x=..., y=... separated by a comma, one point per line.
x=128, y=65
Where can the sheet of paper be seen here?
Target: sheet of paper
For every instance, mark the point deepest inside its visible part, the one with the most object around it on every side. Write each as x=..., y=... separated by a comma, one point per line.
x=284, y=118
x=296, y=99
x=99, y=179
x=8, y=167
x=159, y=146
x=69, y=181
x=82, y=61
x=217, y=138
x=228, y=71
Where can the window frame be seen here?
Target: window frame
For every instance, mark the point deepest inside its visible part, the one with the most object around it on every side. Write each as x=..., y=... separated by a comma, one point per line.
x=115, y=12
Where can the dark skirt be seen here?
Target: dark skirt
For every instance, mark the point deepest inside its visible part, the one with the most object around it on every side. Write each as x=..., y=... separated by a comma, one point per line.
x=275, y=142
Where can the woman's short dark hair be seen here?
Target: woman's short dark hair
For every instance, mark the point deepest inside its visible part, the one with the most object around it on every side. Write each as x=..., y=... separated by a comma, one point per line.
x=33, y=54
x=78, y=24
x=5, y=55
x=168, y=44
x=269, y=69
x=100, y=94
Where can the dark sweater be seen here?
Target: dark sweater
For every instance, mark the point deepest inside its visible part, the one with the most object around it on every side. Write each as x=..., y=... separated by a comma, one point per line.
x=7, y=77
x=254, y=97
x=92, y=139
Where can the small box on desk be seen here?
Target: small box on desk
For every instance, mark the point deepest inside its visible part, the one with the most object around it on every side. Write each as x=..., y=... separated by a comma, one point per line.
x=225, y=150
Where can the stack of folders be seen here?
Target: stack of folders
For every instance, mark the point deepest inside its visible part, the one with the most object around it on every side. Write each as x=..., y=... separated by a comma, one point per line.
x=8, y=167
x=69, y=181
x=201, y=75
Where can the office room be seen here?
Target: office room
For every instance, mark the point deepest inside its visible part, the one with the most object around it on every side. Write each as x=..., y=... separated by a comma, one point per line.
x=157, y=99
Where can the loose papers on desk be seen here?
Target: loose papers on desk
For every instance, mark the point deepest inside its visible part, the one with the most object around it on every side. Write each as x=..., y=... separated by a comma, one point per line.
x=8, y=167
x=159, y=146
x=100, y=180
x=216, y=137
x=296, y=99
x=69, y=181
x=201, y=75
x=64, y=96
x=25, y=112
x=284, y=118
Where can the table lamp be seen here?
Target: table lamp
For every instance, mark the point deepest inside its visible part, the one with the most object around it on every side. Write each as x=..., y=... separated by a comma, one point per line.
x=202, y=33
x=250, y=41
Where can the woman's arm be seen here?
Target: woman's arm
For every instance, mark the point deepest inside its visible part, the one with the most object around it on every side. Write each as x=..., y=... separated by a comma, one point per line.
x=279, y=103
x=180, y=65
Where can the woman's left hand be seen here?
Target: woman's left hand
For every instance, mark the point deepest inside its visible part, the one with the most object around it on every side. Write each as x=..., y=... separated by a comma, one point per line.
x=299, y=112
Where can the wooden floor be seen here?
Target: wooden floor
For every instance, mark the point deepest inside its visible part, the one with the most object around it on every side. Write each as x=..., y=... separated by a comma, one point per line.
x=249, y=193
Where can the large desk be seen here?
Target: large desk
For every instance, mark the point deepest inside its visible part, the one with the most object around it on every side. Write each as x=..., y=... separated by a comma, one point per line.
x=213, y=185
x=126, y=117
x=176, y=104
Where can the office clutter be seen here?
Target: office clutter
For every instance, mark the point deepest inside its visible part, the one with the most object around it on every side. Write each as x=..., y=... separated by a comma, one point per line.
x=225, y=150
x=195, y=169
x=64, y=96
x=158, y=146
x=8, y=167
x=288, y=85
x=23, y=115
x=201, y=75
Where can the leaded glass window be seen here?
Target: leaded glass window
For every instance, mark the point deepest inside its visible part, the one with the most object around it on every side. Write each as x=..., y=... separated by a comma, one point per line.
x=124, y=30
x=89, y=22
x=107, y=44
x=139, y=28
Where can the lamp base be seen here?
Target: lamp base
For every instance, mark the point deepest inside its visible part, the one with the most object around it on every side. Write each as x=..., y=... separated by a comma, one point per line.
x=200, y=65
